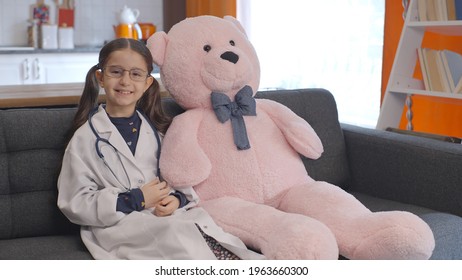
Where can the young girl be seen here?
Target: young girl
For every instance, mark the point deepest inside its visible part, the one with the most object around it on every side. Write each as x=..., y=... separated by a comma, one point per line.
x=109, y=181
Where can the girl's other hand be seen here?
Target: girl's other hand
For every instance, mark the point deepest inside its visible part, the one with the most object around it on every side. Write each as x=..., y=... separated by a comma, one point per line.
x=167, y=206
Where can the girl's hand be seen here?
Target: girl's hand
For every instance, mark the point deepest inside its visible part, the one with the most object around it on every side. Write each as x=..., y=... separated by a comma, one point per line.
x=154, y=192
x=167, y=206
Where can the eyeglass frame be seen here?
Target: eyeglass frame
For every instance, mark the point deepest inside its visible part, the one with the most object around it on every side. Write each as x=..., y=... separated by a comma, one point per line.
x=110, y=75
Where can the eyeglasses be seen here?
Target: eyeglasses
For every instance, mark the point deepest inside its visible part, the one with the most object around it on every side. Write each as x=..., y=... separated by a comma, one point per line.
x=135, y=74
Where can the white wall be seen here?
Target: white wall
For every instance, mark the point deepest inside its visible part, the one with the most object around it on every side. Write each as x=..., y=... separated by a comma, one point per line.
x=93, y=19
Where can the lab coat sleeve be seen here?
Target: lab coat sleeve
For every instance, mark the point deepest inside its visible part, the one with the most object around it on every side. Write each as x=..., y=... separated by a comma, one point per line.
x=80, y=198
x=191, y=196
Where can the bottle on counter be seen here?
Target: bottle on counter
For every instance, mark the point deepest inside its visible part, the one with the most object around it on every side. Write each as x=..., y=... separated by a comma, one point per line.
x=65, y=37
x=33, y=33
x=49, y=36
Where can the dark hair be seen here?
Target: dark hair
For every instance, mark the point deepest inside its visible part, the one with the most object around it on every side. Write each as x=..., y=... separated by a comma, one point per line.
x=149, y=103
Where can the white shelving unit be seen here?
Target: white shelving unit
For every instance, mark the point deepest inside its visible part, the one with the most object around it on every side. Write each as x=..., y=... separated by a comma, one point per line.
x=401, y=83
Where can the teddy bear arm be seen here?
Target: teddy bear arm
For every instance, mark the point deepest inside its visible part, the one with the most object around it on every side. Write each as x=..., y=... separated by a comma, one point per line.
x=300, y=135
x=183, y=162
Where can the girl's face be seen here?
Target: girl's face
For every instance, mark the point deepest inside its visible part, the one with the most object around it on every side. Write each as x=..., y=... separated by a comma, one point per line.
x=124, y=78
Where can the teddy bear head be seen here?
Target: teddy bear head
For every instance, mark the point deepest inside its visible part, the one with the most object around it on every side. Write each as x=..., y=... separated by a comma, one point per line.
x=205, y=54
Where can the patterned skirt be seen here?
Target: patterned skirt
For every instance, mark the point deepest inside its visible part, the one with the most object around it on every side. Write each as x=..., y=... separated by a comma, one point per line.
x=220, y=252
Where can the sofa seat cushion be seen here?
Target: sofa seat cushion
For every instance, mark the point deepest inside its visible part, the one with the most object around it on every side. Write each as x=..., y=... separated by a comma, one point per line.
x=55, y=247
x=446, y=230
x=376, y=204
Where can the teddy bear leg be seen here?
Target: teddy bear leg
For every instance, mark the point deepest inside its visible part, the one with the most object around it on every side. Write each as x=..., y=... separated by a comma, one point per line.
x=276, y=234
x=360, y=233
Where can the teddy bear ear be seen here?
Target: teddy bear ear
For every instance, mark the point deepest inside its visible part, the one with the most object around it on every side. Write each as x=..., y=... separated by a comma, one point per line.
x=157, y=44
x=237, y=23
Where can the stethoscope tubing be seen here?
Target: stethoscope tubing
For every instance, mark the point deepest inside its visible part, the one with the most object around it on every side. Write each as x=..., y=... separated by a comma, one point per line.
x=106, y=141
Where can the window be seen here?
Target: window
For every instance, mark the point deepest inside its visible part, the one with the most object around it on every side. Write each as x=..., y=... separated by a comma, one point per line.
x=332, y=44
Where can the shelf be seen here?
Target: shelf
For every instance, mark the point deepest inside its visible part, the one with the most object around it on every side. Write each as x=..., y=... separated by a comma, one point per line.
x=452, y=28
x=426, y=93
x=411, y=86
x=401, y=82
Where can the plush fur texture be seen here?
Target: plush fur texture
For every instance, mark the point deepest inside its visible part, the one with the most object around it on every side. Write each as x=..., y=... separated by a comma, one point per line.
x=263, y=194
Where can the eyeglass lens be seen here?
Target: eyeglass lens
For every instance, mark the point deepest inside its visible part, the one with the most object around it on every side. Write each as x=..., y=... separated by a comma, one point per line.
x=117, y=72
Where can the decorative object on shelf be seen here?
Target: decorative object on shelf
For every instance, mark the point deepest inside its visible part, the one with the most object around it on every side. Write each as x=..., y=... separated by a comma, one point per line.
x=49, y=35
x=65, y=37
x=65, y=13
x=409, y=115
x=33, y=33
x=41, y=12
x=128, y=26
x=443, y=10
x=441, y=70
x=147, y=29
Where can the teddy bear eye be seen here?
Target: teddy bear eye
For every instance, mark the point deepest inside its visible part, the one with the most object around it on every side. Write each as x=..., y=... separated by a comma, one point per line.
x=232, y=43
x=207, y=48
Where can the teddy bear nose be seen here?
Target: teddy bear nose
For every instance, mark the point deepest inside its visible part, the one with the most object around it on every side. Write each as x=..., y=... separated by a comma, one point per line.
x=230, y=56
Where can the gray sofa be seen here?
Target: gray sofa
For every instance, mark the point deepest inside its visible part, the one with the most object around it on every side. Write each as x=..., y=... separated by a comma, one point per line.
x=385, y=170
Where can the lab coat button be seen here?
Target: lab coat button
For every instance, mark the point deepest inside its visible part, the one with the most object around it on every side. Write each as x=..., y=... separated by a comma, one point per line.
x=140, y=181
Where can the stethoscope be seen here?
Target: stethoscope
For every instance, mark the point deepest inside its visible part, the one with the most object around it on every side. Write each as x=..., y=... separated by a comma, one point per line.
x=106, y=141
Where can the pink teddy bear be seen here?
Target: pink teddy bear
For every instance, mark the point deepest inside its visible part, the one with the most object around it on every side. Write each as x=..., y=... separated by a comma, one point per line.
x=242, y=156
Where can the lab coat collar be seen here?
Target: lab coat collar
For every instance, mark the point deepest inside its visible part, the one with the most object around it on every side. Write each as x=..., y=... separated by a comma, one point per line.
x=106, y=129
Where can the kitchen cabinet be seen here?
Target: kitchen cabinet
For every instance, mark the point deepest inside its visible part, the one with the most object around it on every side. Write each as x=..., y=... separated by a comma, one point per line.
x=17, y=70
x=45, y=68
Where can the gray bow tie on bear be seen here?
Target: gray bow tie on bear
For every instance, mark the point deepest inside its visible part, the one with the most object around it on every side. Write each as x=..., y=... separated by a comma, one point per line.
x=243, y=105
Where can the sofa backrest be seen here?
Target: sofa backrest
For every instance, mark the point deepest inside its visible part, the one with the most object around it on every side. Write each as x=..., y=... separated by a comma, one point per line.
x=31, y=148
x=318, y=108
x=32, y=143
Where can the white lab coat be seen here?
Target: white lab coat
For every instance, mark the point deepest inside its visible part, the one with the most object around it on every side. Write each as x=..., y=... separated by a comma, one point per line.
x=88, y=194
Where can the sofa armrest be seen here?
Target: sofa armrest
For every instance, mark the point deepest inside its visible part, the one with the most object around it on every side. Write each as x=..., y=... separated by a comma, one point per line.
x=409, y=169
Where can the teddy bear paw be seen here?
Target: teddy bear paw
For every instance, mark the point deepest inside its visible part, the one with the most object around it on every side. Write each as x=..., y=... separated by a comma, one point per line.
x=410, y=238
